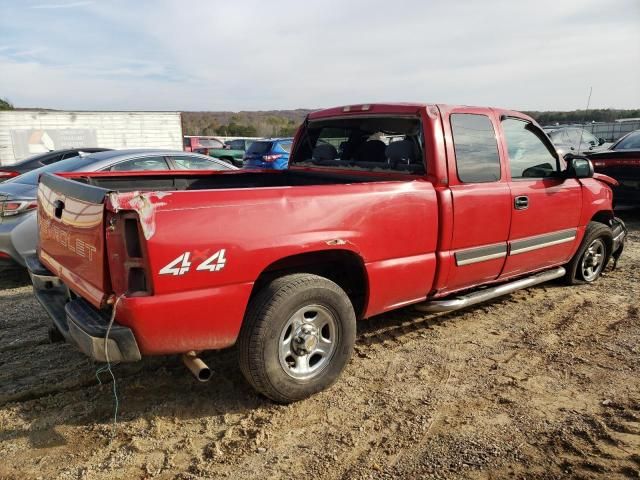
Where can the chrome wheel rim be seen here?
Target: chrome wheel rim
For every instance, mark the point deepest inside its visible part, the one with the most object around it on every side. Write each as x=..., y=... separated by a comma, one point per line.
x=307, y=342
x=593, y=260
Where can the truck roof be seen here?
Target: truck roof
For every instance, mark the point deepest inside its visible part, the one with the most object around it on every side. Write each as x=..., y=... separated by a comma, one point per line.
x=407, y=108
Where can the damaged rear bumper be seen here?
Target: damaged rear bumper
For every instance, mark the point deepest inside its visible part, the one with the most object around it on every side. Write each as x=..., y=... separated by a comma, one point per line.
x=78, y=321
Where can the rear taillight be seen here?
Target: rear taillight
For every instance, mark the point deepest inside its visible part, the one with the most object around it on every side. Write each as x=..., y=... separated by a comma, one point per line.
x=616, y=162
x=9, y=208
x=128, y=265
x=7, y=174
x=271, y=158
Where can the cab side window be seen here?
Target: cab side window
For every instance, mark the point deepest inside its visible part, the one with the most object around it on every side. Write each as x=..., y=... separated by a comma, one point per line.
x=476, y=147
x=529, y=155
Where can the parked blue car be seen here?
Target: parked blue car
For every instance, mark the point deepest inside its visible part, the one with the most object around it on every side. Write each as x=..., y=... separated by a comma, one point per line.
x=272, y=153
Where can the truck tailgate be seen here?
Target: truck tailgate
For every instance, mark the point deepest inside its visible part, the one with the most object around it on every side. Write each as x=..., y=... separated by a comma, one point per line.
x=72, y=238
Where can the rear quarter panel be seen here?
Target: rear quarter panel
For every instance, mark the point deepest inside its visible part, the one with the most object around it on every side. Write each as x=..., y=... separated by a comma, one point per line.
x=392, y=226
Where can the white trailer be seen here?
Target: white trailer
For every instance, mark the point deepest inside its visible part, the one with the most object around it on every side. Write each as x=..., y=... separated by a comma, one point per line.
x=24, y=133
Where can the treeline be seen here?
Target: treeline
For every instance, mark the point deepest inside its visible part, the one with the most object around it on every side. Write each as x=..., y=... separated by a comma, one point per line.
x=580, y=116
x=276, y=123
x=5, y=104
x=283, y=123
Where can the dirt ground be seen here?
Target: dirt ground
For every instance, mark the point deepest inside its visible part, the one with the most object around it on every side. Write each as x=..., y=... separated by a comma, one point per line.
x=544, y=383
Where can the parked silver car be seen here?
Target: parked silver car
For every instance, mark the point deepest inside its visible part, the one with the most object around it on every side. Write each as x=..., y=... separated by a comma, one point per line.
x=42, y=159
x=18, y=223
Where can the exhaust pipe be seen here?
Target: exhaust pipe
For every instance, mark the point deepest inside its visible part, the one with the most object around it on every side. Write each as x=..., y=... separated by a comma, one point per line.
x=196, y=366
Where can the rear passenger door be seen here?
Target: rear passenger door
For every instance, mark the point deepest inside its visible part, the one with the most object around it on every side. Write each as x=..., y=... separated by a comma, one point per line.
x=481, y=199
x=545, y=207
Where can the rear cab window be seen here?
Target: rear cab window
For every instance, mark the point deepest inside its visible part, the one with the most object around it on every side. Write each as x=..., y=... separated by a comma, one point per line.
x=259, y=148
x=236, y=144
x=476, y=148
x=380, y=143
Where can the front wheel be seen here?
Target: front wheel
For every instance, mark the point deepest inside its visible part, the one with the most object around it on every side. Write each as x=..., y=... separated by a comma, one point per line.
x=592, y=256
x=297, y=337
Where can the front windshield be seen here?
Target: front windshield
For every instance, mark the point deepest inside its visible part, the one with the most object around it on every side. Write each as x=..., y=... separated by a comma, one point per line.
x=67, y=165
x=630, y=142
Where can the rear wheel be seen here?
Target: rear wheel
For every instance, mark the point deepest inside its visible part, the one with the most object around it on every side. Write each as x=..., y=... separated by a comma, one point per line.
x=592, y=256
x=297, y=337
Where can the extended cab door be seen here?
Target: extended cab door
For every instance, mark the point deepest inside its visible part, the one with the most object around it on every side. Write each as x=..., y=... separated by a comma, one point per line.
x=481, y=198
x=545, y=207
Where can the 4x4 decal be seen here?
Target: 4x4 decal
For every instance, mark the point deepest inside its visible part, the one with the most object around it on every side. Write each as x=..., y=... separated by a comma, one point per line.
x=182, y=264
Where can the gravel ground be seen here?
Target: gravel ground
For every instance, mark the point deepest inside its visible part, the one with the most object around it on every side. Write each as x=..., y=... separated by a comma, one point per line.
x=544, y=383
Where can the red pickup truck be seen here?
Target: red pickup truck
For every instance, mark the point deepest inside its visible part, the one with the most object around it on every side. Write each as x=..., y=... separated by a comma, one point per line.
x=383, y=206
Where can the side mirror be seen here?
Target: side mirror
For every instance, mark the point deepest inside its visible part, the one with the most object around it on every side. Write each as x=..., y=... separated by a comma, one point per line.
x=578, y=167
x=601, y=141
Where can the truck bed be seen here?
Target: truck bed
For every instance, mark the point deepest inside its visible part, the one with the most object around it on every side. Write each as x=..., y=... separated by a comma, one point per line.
x=174, y=181
x=197, y=242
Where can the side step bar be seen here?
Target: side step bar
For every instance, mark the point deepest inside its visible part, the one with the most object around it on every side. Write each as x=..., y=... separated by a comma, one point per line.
x=483, y=295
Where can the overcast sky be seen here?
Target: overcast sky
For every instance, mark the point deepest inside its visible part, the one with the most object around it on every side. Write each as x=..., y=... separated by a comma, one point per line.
x=260, y=55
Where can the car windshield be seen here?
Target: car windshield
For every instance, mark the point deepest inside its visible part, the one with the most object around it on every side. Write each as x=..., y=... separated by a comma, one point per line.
x=631, y=141
x=68, y=165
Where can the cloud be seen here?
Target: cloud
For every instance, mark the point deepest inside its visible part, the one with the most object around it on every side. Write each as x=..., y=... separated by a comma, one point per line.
x=60, y=5
x=288, y=54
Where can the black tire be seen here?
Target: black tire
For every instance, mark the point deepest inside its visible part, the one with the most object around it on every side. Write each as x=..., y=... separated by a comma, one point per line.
x=595, y=232
x=261, y=338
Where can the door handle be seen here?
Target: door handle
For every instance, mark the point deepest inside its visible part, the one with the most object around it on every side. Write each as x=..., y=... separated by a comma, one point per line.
x=521, y=202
